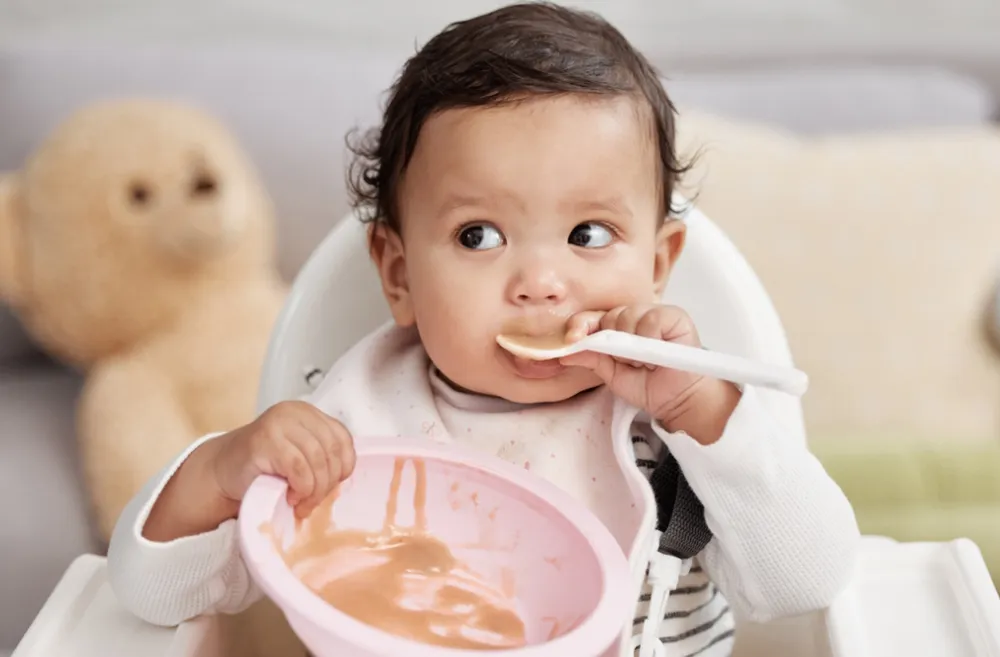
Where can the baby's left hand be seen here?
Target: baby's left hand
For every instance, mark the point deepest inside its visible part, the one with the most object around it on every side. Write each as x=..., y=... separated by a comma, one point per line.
x=681, y=401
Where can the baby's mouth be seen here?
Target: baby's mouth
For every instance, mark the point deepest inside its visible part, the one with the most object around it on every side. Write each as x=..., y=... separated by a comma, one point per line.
x=545, y=326
x=536, y=369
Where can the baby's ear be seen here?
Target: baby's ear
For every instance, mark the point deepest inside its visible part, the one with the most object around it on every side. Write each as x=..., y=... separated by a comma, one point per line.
x=11, y=246
x=385, y=246
x=670, y=240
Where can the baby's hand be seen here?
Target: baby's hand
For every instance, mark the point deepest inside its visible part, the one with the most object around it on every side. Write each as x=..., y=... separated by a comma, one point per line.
x=293, y=440
x=679, y=400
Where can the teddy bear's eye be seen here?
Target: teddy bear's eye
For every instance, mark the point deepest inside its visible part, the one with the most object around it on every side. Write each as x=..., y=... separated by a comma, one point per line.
x=204, y=184
x=139, y=194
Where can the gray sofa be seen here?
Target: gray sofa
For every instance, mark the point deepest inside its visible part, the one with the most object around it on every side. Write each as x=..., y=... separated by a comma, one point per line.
x=291, y=108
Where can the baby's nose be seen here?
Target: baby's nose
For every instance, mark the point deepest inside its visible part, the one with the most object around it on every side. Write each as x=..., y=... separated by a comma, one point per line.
x=540, y=285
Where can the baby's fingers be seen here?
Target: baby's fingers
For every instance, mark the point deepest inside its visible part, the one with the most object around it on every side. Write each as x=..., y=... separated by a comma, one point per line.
x=317, y=449
x=330, y=450
x=586, y=359
x=337, y=445
x=348, y=457
x=583, y=324
x=600, y=364
x=292, y=464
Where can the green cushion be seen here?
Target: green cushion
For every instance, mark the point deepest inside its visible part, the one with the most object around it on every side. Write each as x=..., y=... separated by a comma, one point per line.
x=902, y=476
x=918, y=493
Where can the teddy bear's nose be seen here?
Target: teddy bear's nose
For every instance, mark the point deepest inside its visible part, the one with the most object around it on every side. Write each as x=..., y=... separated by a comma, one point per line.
x=204, y=185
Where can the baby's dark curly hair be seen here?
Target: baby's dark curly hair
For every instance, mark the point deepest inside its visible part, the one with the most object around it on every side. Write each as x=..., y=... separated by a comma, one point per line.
x=516, y=52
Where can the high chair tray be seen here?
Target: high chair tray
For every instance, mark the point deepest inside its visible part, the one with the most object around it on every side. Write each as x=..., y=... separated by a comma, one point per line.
x=910, y=599
x=82, y=618
x=906, y=600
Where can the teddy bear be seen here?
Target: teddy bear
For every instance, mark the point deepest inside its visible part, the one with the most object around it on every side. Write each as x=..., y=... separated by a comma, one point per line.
x=137, y=244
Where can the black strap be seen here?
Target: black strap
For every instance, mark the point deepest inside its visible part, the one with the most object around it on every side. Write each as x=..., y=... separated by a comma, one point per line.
x=680, y=516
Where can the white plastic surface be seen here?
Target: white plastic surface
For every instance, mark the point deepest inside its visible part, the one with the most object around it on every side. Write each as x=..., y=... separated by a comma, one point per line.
x=336, y=300
x=82, y=618
x=915, y=599
x=906, y=600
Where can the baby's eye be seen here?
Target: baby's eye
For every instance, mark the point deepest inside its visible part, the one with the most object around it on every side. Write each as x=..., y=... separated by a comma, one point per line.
x=590, y=235
x=480, y=237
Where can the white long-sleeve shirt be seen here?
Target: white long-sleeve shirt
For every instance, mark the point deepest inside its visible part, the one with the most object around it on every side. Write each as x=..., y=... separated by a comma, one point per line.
x=784, y=535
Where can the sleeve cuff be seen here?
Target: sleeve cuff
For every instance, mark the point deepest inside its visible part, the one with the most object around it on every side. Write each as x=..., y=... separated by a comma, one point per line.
x=740, y=447
x=157, y=489
x=166, y=583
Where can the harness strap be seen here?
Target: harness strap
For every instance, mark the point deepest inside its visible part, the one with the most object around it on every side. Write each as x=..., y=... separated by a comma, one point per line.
x=680, y=516
x=683, y=533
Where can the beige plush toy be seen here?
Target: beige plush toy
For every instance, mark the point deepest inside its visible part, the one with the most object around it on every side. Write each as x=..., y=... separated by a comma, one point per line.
x=137, y=245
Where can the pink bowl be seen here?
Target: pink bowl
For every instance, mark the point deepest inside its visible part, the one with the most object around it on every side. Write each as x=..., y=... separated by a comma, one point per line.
x=567, y=567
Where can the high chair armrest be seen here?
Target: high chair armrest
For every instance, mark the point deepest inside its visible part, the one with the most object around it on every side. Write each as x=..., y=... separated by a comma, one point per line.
x=82, y=618
x=916, y=599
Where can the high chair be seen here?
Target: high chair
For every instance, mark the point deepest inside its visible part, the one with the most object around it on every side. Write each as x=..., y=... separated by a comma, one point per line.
x=905, y=599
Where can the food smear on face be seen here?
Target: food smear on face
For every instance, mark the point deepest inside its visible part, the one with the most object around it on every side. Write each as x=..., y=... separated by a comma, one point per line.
x=403, y=580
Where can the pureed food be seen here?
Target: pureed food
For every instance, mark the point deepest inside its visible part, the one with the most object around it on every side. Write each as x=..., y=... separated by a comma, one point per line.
x=403, y=580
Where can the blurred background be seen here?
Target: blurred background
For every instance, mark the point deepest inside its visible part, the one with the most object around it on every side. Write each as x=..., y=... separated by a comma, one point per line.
x=848, y=147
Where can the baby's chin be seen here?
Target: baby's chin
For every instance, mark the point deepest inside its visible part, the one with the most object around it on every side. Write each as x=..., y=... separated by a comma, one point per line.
x=543, y=394
x=535, y=391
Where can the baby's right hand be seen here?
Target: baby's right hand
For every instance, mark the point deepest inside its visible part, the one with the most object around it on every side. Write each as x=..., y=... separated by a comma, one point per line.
x=294, y=440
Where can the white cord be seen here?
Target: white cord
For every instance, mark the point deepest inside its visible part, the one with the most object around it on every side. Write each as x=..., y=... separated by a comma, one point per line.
x=664, y=573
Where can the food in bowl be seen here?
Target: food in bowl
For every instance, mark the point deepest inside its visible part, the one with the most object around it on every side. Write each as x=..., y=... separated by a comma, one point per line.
x=403, y=580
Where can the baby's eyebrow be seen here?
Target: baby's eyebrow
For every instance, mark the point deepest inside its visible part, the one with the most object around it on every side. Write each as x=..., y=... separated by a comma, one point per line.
x=457, y=201
x=613, y=204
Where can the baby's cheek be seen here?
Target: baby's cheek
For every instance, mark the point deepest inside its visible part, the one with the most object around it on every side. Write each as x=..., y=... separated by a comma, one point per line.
x=462, y=360
x=458, y=315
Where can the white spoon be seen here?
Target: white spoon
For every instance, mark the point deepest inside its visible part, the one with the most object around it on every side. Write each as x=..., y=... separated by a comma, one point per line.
x=662, y=354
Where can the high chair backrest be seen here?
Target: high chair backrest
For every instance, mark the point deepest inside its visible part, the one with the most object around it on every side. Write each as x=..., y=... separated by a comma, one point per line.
x=336, y=300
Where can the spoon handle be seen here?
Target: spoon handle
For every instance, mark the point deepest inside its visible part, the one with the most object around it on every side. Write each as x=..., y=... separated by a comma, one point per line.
x=699, y=361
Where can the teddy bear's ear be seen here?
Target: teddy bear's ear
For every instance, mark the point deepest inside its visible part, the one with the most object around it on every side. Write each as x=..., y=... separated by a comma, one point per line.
x=10, y=238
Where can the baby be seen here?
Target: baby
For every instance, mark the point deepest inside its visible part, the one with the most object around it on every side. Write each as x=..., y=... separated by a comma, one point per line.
x=521, y=182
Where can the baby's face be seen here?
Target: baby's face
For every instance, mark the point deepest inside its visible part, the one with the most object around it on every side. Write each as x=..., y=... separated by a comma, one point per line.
x=513, y=219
